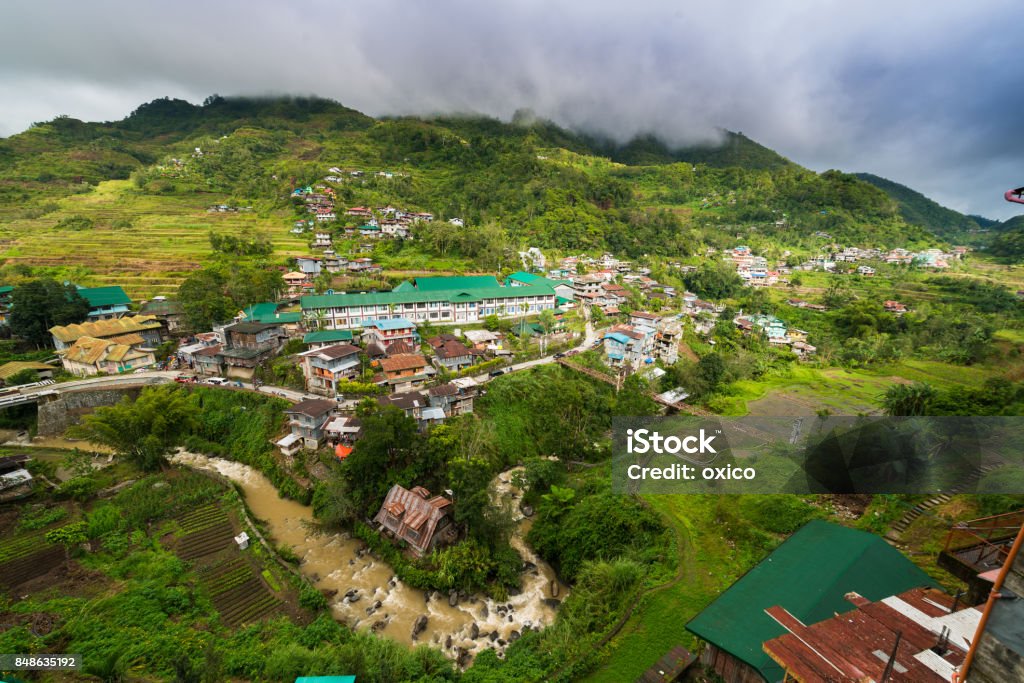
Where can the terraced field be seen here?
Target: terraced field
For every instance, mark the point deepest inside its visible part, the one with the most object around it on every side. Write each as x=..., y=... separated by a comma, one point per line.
x=238, y=592
x=27, y=557
x=168, y=237
x=205, y=530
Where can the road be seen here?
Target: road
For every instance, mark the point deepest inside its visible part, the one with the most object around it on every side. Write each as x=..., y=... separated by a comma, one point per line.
x=589, y=337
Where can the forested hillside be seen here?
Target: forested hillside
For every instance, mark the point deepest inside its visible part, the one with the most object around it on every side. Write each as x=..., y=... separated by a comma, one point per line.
x=540, y=184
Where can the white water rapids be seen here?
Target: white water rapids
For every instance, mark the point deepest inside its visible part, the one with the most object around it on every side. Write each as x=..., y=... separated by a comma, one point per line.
x=338, y=562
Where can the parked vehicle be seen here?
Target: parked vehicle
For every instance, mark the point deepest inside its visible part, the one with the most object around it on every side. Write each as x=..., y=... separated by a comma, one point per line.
x=185, y=379
x=497, y=373
x=216, y=381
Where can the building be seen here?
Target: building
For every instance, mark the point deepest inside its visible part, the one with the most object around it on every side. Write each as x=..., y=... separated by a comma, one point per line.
x=326, y=366
x=810, y=574
x=629, y=346
x=315, y=340
x=139, y=329
x=417, y=519
x=295, y=281
x=41, y=370
x=307, y=420
x=169, y=313
x=563, y=288
x=452, y=354
x=454, y=398
x=390, y=331
x=106, y=302
x=5, y=303
x=254, y=335
x=461, y=300
x=405, y=371
x=91, y=356
x=920, y=630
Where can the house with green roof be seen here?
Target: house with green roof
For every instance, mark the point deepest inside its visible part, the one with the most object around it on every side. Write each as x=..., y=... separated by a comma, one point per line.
x=267, y=312
x=106, y=302
x=563, y=288
x=810, y=573
x=319, y=338
x=467, y=300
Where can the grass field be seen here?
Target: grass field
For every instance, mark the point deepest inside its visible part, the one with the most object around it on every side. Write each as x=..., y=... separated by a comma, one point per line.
x=167, y=239
x=805, y=390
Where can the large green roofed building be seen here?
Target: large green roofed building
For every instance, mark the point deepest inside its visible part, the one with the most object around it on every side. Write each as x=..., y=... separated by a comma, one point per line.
x=458, y=305
x=808, y=575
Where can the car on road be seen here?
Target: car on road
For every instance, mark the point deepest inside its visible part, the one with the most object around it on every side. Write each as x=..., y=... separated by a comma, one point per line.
x=216, y=381
x=560, y=354
x=186, y=379
x=496, y=373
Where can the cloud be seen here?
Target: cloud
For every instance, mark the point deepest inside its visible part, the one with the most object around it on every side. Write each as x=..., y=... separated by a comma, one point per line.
x=927, y=94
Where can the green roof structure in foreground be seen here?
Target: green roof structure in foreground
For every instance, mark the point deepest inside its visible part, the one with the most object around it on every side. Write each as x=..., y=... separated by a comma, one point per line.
x=808, y=575
x=105, y=296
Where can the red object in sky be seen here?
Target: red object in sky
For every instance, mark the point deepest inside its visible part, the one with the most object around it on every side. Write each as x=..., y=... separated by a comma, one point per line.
x=1015, y=196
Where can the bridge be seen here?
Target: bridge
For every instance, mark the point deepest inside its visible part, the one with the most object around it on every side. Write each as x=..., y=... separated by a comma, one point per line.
x=41, y=391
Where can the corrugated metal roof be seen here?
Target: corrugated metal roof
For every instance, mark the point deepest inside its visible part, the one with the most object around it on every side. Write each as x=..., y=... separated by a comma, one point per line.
x=410, y=297
x=810, y=574
x=101, y=329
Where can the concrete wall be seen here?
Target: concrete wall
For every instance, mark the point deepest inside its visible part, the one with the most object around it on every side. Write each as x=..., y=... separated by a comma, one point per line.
x=58, y=413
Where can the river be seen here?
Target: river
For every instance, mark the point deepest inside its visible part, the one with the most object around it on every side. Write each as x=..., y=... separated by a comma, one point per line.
x=338, y=562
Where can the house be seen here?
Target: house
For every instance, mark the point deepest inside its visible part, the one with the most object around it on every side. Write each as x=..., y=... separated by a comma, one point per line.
x=140, y=330
x=453, y=398
x=267, y=313
x=294, y=282
x=207, y=361
x=321, y=240
x=324, y=367
x=416, y=405
x=483, y=340
x=91, y=356
x=414, y=517
x=666, y=342
x=643, y=318
x=320, y=338
x=628, y=346
x=809, y=574
x=451, y=353
x=310, y=265
x=866, y=271
x=405, y=371
x=42, y=370
x=254, y=335
x=169, y=313
x=307, y=420
x=894, y=307
x=803, y=349
x=105, y=302
x=920, y=631
x=344, y=429
x=389, y=331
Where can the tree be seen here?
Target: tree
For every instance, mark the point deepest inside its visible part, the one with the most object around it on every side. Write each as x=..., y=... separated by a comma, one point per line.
x=386, y=455
x=908, y=399
x=713, y=281
x=26, y=376
x=38, y=305
x=146, y=429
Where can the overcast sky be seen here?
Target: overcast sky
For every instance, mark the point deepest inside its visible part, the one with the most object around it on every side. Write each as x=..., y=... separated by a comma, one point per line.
x=930, y=94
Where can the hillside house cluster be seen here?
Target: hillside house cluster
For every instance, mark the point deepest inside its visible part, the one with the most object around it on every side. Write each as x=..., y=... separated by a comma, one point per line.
x=752, y=269
x=777, y=332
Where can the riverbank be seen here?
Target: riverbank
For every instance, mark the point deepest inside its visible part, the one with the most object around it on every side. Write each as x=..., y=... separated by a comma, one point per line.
x=367, y=595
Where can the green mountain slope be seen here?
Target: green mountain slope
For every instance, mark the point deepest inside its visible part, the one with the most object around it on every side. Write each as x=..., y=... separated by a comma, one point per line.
x=918, y=209
x=531, y=181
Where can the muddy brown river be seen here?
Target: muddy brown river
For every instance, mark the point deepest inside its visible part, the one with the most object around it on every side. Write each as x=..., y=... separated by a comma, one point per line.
x=336, y=561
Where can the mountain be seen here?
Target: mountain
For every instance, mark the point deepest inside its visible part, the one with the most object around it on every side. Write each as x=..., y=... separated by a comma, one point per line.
x=918, y=209
x=538, y=183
